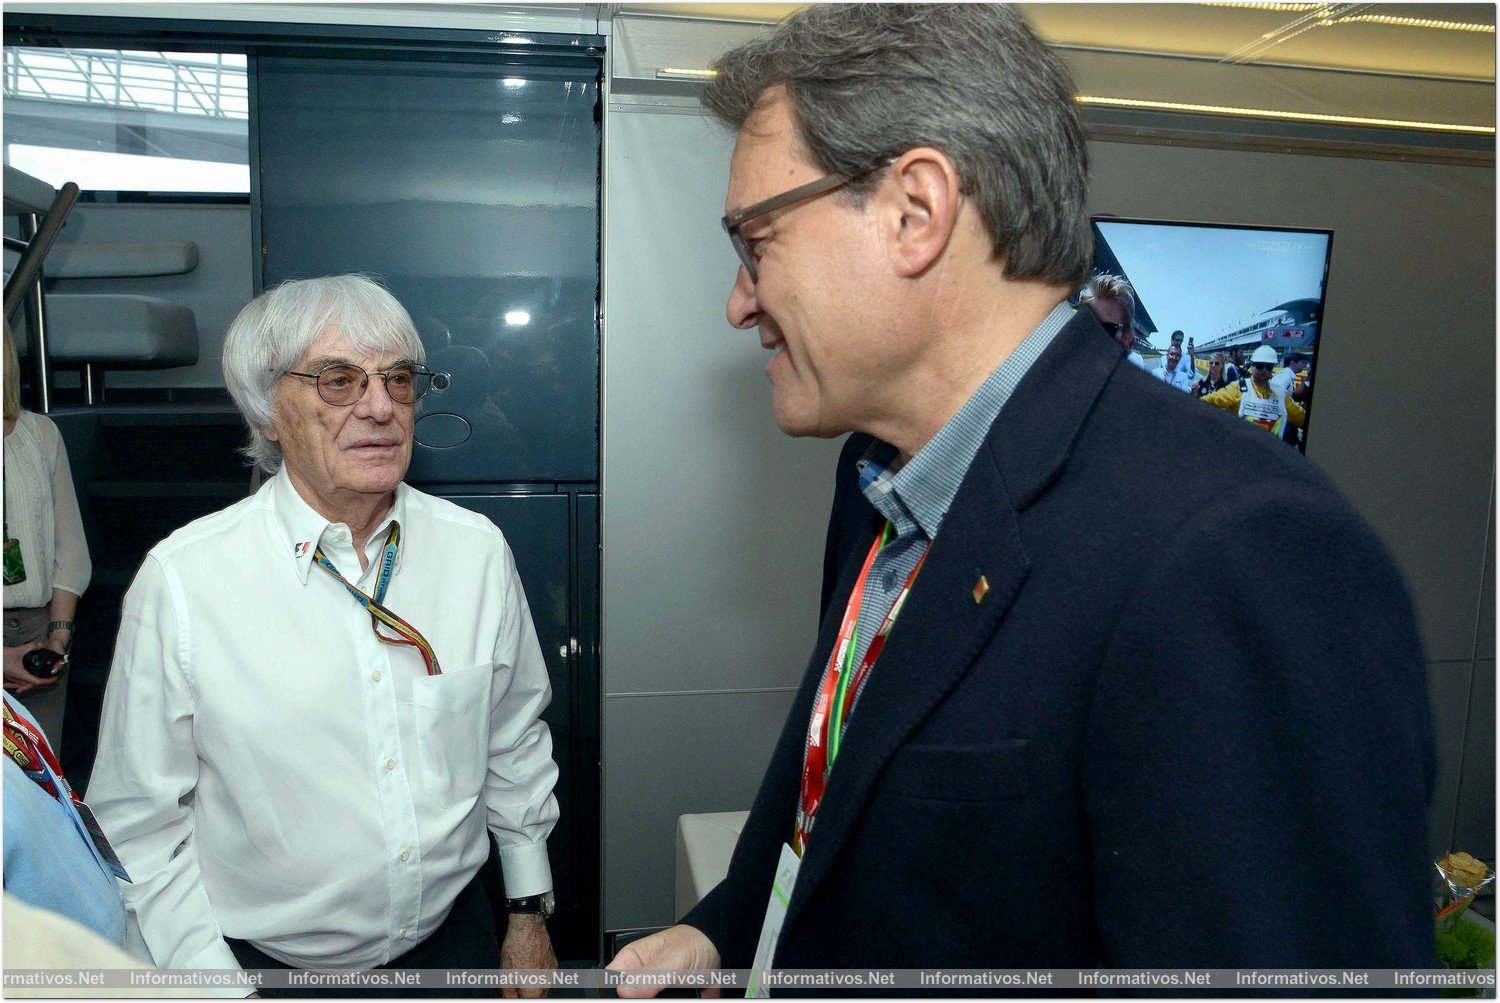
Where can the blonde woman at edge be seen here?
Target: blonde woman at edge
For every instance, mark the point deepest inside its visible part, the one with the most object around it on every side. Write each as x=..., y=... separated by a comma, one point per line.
x=44, y=580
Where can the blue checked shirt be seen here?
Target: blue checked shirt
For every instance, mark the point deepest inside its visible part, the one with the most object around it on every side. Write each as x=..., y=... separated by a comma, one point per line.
x=916, y=497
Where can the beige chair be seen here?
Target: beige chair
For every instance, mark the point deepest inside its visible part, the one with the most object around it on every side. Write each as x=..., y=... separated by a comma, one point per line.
x=705, y=842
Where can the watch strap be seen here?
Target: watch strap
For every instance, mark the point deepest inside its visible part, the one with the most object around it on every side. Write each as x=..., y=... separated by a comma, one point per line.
x=531, y=905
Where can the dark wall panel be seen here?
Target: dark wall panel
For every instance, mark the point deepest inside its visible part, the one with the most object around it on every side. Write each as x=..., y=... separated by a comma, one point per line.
x=471, y=189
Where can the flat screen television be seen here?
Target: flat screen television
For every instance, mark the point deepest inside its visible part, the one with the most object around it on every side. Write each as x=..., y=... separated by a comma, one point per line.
x=1236, y=292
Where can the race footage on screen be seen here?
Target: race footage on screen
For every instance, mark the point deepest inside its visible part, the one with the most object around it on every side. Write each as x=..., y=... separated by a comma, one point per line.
x=1229, y=314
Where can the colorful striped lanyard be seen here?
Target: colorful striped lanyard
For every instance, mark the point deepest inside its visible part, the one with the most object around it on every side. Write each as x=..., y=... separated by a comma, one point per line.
x=840, y=689
x=410, y=636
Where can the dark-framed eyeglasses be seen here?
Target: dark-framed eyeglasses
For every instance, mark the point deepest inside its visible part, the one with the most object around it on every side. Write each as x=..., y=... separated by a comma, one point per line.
x=822, y=186
x=1112, y=329
x=341, y=384
x=1267, y=366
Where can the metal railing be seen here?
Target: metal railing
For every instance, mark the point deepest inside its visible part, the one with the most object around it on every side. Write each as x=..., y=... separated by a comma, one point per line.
x=209, y=84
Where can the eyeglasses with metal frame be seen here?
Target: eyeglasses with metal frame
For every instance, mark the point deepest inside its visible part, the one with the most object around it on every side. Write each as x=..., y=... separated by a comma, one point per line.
x=341, y=384
x=822, y=186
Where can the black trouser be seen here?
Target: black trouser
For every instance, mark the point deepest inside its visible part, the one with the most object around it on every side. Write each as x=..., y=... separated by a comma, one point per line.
x=466, y=939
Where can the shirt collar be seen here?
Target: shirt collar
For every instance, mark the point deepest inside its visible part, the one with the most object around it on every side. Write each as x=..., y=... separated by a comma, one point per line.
x=920, y=493
x=302, y=527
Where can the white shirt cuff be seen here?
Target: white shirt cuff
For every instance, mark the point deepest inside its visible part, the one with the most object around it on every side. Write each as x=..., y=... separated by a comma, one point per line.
x=525, y=869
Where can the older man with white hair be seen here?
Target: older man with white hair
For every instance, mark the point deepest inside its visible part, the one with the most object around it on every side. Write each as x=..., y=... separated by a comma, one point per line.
x=323, y=695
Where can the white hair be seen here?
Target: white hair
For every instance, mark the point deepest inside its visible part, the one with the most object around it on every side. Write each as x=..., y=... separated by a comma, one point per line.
x=275, y=329
x=1116, y=289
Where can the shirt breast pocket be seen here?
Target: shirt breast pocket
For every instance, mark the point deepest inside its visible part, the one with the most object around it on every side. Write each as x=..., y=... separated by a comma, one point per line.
x=995, y=771
x=452, y=714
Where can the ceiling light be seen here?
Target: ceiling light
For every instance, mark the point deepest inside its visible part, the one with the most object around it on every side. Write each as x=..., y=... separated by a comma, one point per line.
x=669, y=73
x=1295, y=8
x=513, y=82
x=517, y=318
x=1412, y=22
x=1293, y=116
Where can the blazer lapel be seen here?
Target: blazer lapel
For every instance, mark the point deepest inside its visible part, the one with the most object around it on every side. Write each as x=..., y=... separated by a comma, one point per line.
x=950, y=615
x=940, y=631
x=795, y=731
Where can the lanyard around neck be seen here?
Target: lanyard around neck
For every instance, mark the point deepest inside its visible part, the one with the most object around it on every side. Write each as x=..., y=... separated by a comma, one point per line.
x=409, y=636
x=842, y=684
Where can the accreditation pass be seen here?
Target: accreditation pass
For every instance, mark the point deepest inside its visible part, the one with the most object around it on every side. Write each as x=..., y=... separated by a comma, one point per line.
x=770, y=932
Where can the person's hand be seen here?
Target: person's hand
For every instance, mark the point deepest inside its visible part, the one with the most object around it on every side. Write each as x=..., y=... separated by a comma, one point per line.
x=17, y=679
x=59, y=641
x=681, y=946
x=526, y=945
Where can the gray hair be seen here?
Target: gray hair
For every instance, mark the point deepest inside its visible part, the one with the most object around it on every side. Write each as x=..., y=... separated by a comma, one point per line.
x=868, y=82
x=276, y=328
x=1114, y=289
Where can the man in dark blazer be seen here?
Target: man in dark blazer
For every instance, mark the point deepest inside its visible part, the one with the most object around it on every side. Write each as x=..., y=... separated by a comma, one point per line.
x=1088, y=739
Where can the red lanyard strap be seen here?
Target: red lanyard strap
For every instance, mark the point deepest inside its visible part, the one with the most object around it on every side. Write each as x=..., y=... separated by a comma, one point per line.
x=409, y=636
x=839, y=691
x=30, y=750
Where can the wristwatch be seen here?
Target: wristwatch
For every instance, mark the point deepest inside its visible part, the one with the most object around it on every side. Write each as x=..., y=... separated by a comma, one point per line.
x=57, y=625
x=532, y=905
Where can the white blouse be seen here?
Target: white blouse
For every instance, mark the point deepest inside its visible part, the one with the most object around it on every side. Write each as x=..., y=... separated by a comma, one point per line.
x=41, y=511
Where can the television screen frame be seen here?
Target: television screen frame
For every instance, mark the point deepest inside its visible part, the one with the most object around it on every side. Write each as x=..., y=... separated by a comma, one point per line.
x=1317, y=343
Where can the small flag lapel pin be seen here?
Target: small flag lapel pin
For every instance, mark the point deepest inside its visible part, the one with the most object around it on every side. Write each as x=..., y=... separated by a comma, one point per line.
x=981, y=589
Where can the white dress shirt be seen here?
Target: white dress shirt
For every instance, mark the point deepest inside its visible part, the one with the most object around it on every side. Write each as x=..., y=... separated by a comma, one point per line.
x=271, y=772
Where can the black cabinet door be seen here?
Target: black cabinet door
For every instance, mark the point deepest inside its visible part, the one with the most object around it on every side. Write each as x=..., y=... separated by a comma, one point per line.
x=471, y=189
x=562, y=593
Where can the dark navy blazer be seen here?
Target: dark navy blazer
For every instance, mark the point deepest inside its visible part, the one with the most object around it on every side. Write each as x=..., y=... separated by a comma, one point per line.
x=1187, y=725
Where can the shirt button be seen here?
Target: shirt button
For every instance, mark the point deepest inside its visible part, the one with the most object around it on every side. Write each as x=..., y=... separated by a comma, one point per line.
x=405, y=856
x=390, y=764
x=376, y=675
x=342, y=534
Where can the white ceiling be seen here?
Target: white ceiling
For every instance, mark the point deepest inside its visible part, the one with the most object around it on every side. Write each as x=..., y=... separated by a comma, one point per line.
x=1324, y=36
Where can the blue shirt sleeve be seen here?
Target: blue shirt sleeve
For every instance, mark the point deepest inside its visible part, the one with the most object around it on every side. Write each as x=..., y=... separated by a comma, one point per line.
x=51, y=863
